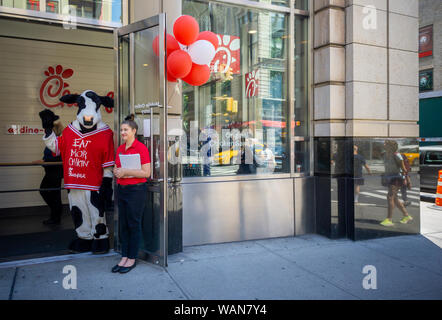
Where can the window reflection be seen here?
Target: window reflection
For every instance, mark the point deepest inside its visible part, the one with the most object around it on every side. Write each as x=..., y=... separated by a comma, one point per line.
x=385, y=199
x=282, y=3
x=301, y=4
x=387, y=187
x=102, y=10
x=239, y=115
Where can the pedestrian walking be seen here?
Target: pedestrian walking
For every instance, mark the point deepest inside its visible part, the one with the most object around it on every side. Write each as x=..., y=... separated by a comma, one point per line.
x=392, y=179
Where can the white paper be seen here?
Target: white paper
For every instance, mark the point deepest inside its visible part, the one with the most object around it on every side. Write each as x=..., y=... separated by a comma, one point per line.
x=174, y=126
x=130, y=161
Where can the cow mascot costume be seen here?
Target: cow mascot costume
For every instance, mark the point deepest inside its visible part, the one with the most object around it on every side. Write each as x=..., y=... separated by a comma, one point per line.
x=87, y=150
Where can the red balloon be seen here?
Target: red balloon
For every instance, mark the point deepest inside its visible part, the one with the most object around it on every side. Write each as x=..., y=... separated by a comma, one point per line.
x=186, y=29
x=172, y=45
x=209, y=36
x=179, y=64
x=171, y=78
x=198, y=75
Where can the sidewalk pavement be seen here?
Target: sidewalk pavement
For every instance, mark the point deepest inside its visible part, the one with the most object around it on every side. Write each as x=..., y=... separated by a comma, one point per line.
x=304, y=267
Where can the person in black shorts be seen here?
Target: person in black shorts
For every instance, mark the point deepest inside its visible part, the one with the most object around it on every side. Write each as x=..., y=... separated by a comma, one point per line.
x=359, y=162
x=394, y=165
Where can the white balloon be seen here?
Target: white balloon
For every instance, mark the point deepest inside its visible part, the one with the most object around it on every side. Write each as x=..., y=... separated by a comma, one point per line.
x=202, y=52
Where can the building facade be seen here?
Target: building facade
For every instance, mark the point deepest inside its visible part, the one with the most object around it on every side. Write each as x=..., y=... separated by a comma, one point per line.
x=430, y=59
x=297, y=85
x=430, y=69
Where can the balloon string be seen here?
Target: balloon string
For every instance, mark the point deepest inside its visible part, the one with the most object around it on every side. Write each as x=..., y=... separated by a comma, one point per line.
x=175, y=91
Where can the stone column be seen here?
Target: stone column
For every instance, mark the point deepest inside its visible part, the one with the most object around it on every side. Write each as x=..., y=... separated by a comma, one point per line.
x=365, y=87
x=382, y=68
x=329, y=109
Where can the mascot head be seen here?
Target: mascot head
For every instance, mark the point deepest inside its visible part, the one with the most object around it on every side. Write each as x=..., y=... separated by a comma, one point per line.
x=88, y=106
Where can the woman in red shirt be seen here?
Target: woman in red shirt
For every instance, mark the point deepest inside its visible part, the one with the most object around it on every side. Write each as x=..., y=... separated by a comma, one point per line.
x=131, y=194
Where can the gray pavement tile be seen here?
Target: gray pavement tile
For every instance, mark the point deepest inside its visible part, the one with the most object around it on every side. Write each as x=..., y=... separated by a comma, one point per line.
x=322, y=240
x=294, y=243
x=179, y=257
x=251, y=276
x=435, y=240
x=431, y=218
x=426, y=295
x=210, y=251
x=6, y=280
x=416, y=250
x=342, y=265
x=435, y=235
x=95, y=281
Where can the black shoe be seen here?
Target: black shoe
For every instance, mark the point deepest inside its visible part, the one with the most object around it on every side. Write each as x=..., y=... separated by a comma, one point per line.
x=127, y=269
x=51, y=221
x=116, y=268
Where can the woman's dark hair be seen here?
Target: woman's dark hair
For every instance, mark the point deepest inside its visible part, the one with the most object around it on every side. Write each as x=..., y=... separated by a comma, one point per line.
x=129, y=120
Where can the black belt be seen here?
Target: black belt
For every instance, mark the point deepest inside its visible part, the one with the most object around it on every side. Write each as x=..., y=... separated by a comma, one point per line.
x=131, y=185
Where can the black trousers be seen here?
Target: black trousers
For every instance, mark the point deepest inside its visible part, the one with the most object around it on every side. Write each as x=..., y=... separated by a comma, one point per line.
x=131, y=203
x=52, y=198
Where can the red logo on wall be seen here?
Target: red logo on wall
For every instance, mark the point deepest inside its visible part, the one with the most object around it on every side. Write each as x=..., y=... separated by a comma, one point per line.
x=252, y=83
x=228, y=54
x=55, y=86
x=426, y=41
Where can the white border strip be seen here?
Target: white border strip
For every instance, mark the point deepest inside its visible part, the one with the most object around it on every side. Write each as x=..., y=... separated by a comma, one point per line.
x=428, y=95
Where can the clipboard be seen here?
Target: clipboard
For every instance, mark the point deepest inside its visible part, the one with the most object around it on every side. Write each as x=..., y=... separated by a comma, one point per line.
x=130, y=161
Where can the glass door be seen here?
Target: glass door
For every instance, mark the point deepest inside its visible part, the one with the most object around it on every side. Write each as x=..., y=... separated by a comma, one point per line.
x=141, y=91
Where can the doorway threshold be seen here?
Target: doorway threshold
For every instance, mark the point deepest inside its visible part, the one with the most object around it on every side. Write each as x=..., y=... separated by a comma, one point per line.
x=26, y=262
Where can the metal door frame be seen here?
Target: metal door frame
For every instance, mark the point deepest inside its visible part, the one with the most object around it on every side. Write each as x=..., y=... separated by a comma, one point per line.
x=160, y=21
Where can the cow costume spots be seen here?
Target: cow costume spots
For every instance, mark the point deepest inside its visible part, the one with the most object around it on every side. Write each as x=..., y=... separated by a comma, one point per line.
x=87, y=151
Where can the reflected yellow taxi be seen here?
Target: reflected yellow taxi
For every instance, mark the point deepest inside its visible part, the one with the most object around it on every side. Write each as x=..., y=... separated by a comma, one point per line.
x=226, y=157
x=411, y=152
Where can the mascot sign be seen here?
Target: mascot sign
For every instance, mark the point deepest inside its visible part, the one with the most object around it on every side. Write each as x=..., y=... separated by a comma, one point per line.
x=55, y=86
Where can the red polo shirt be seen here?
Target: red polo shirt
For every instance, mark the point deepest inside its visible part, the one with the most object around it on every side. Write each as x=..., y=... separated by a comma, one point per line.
x=136, y=148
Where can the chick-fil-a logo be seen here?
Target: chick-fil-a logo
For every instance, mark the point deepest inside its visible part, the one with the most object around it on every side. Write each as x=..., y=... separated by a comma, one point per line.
x=252, y=83
x=55, y=86
x=228, y=54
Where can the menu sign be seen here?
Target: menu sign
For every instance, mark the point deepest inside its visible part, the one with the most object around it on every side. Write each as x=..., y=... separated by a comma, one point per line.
x=426, y=80
x=426, y=41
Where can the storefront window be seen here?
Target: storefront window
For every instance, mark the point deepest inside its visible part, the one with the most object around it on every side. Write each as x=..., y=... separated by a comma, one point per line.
x=101, y=10
x=236, y=122
x=33, y=5
x=301, y=111
x=301, y=4
x=283, y=3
